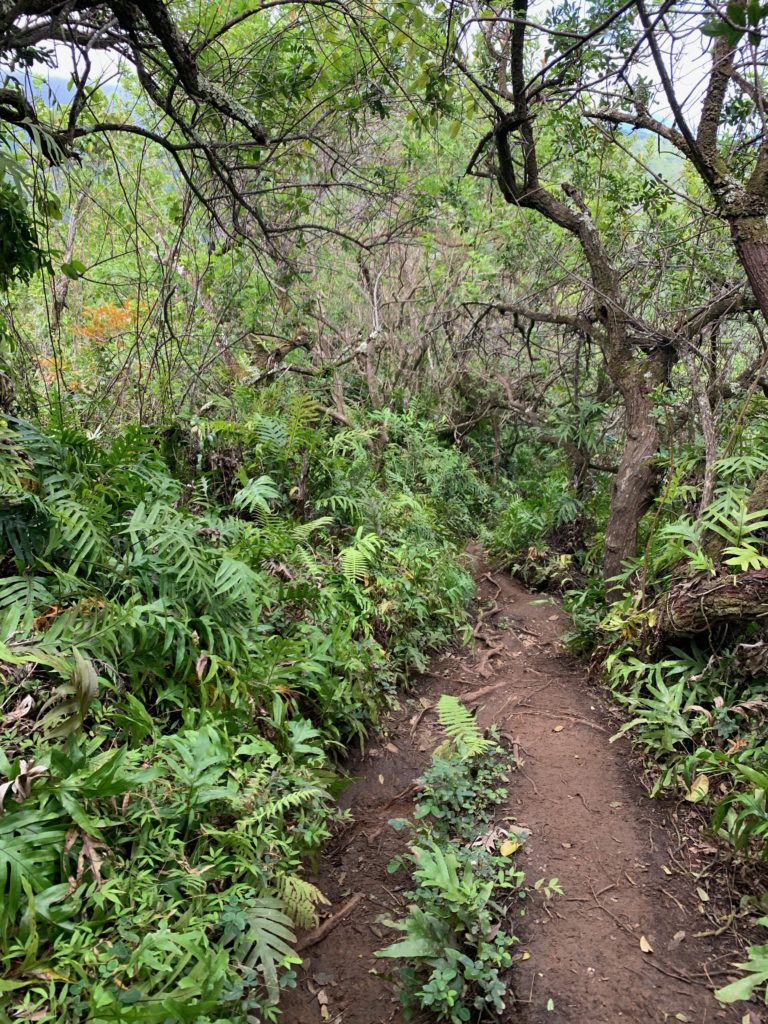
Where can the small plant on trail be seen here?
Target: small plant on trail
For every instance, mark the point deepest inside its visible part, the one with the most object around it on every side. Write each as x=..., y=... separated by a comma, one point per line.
x=459, y=794
x=548, y=888
x=452, y=940
x=456, y=951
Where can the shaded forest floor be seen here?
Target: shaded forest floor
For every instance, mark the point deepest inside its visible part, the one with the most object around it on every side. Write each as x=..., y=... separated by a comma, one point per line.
x=629, y=867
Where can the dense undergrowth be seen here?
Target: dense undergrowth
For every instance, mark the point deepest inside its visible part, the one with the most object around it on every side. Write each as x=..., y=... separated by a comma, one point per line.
x=199, y=620
x=196, y=624
x=696, y=705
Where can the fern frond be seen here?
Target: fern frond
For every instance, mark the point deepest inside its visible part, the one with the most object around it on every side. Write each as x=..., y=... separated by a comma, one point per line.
x=25, y=525
x=255, y=496
x=14, y=471
x=168, y=546
x=269, y=432
x=309, y=563
x=304, y=531
x=267, y=942
x=301, y=899
x=30, y=852
x=76, y=530
x=288, y=802
x=303, y=413
x=235, y=581
x=350, y=442
x=461, y=726
x=357, y=558
x=342, y=503
x=28, y=591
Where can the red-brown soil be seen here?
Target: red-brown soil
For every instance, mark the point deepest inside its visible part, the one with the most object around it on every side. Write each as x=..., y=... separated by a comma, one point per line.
x=630, y=867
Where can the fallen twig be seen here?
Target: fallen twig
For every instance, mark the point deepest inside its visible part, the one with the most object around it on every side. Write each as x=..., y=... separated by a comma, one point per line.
x=418, y=718
x=610, y=913
x=675, y=900
x=717, y=931
x=687, y=978
x=408, y=791
x=329, y=924
x=522, y=709
x=591, y=811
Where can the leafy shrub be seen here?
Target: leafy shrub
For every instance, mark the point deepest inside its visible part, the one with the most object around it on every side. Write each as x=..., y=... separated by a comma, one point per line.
x=194, y=625
x=455, y=949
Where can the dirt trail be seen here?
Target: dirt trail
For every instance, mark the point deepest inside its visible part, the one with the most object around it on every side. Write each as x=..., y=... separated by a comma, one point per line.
x=626, y=863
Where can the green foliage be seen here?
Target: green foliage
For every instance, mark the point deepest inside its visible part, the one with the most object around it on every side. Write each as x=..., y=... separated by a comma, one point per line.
x=459, y=791
x=20, y=253
x=755, y=976
x=452, y=938
x=699, y=719
x=696, y=709
x=543, y=533
x=459, y=723
x=262, y=936
x=183, y=659
x=357, y=559
x=455, y=946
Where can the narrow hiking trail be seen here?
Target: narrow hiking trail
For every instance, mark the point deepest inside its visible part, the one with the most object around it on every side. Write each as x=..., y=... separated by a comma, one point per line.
x=629, y=867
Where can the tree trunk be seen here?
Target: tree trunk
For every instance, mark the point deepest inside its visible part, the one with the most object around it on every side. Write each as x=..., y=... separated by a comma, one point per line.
x=636, y=480
x=62, y=282
x=700, y=604
x=750, y=237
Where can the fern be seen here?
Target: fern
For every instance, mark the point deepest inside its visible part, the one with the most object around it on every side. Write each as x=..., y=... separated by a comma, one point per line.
x=263, y=938
x=351, y=442
x=343, y=503
x=203, y=625
x=357, y=558
x=13, y=469
x=237, y=582
x=311, y=566
x=288, y=802
x=303, y=412
x=28, y=591
x=166, y=547
x=300, y=898
x=25, y=525
x=269, y=432
x=304, y=531
x=255, y=496
x=30, y=850
x=461, y=726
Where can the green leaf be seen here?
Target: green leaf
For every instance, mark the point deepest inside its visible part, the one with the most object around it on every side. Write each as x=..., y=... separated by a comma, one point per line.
x=267, y=942
x=30, y=848
x=417, y=946
x=461, y=726
x=741, y=989
x=74, y=270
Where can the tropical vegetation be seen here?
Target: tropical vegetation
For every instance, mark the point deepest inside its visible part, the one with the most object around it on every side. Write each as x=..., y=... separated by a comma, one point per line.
x=296, y=301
